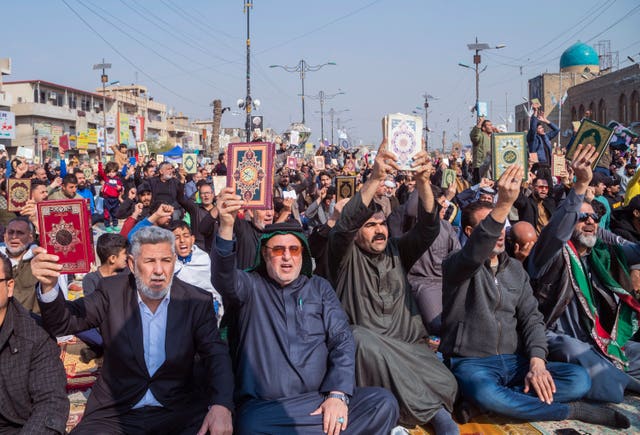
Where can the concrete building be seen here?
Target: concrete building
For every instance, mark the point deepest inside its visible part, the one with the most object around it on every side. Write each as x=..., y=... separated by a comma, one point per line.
x=46, y=111
x=578, y=64
x=609, y=95
x=147, y=118
x=7, y=121
x=182, y=132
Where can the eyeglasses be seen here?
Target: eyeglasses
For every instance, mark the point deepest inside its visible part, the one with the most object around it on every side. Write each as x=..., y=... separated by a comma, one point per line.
x=5, y=279
x=582, y=217
x=278, y=251
x=541, y=187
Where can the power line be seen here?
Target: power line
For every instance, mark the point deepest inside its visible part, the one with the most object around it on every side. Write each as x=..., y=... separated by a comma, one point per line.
x=340, y=18
x=157, y=53
x=587, y=15
x=195, y=20
x=125, y=58
x=170, y=25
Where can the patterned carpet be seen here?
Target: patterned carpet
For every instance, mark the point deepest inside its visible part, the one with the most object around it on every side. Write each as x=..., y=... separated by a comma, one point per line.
x=81, y=376
x=489, y=425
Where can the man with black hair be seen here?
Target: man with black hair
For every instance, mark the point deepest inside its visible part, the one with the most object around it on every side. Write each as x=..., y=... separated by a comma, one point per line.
x=481, y=148
x=68, y=189
x=369, y=271
x=203, y=215
x=33, y=386
x=321, y=208
x=84, y=189
x=292, y=347
x=538, y=140
x=535, y=205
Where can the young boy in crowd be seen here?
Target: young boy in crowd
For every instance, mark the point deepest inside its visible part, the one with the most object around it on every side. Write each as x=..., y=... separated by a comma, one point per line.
x=112, y=252
x=111, y=194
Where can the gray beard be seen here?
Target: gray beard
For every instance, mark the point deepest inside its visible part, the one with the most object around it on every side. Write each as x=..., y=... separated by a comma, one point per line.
x=584, y=240
x=497, y=251
x=17, y=252
x=151, y=294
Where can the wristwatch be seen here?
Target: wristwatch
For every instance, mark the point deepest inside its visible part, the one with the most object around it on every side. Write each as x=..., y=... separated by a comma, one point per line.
x=340, y=396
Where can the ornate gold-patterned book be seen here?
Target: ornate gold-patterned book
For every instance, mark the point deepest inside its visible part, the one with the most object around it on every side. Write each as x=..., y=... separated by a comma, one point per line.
x=509, y=149
x=250, y=172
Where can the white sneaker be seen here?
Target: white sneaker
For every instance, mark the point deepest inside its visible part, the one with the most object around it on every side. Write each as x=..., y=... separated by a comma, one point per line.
x=399, y=430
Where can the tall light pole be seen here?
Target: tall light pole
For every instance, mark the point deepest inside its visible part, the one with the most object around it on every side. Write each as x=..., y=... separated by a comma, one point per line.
x=302, y=67
x=478, y=47
x=248, y=104
x=104, y=79
x=427, y=97
x=322, y=97
x=332, y=113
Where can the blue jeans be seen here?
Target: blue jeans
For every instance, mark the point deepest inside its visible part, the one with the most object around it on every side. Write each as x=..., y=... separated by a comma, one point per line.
x=496, y=384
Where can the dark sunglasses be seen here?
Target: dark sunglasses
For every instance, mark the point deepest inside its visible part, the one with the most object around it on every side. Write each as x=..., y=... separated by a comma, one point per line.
x=582, y=217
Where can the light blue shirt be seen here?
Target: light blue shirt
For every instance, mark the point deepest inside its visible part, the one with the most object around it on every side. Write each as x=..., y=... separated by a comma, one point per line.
x=154, y=332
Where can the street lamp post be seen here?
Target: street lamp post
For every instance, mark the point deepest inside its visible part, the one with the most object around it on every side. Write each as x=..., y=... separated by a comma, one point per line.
x=248, y=103
x=302, y=67
x=478, y=47
x=427, y=97
x=322, y=97
x=104, y=79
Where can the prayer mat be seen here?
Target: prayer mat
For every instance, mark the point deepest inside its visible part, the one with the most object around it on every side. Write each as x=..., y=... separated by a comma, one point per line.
x=486, y=425
x=630, y=407
x=77, y=401
x=80, y=376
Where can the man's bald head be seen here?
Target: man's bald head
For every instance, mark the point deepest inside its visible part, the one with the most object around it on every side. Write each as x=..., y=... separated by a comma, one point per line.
x=523, y=232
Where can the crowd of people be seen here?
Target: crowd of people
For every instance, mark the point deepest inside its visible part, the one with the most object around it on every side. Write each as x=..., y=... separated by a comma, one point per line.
x=412, y=302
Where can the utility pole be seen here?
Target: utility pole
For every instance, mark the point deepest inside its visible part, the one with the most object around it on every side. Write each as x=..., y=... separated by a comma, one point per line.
x=444, y=140
x=248, y=103
x=322, y=97
x=478, y=47
x=427, y=97
x=214, y=148
x=104, y=79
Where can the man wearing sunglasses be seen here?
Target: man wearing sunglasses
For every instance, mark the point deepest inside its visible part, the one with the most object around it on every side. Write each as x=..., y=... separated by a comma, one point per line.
x=293, y=350
x=585, y=293
x=537, y=207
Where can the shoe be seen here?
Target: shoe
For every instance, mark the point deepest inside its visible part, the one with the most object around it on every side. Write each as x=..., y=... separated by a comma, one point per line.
x=87, y=354
x=108, y=229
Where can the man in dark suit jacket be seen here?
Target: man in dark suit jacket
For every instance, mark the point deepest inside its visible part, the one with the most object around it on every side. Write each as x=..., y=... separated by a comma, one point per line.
x=153, y=326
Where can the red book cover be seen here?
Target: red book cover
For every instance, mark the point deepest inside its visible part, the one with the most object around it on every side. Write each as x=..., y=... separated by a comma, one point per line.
x=250, y=172
x=65, y=231
x=19, y=192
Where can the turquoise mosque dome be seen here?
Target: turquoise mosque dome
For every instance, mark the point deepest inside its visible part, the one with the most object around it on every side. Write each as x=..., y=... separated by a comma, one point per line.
x=579, y=54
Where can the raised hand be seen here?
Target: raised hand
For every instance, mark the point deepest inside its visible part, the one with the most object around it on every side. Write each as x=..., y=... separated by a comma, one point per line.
x=228, y=205
x=384, y=163
x=581, y=166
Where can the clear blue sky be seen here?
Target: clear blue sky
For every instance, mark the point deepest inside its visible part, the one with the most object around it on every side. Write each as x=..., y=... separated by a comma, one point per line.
x=388, y=52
